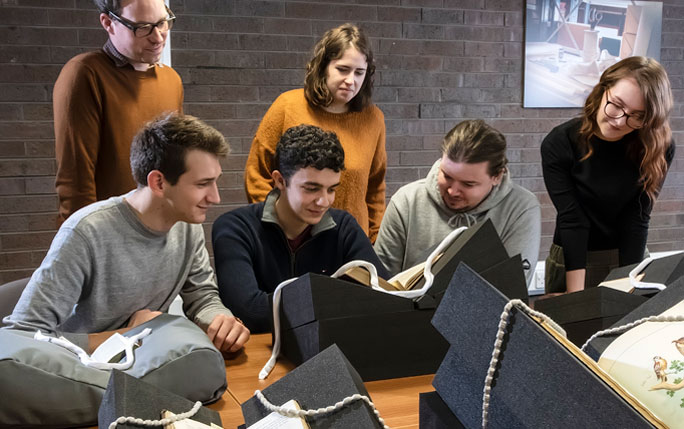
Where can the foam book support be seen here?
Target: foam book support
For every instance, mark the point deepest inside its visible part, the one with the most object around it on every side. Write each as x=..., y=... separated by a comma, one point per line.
x=583, y=313
x=324, y=380
x=386, y=336
x=538, y=383
x=663, y=300
x=435, y=413
x=588, y=311
x=129, y=396
x=662, y=270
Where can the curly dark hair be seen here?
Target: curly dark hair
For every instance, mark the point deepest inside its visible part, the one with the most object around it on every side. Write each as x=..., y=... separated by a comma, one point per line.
x=163, y=143
x=332, y=46
x=308, y=146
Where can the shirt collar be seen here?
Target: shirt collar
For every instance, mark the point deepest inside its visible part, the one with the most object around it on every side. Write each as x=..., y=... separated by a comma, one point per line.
x=269, y=214
x=110, y=50
x=117, y=57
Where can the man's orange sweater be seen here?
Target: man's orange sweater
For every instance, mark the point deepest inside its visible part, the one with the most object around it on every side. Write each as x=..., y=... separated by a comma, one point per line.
x=98, y=109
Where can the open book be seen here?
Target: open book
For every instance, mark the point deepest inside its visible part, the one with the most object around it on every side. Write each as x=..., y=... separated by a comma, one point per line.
x=622, y=284
x=648, y=362
x=479, y=246
x=599, y=370
x=405, y=280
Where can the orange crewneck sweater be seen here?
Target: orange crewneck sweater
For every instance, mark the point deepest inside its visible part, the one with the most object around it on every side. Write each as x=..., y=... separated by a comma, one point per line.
x=98, y=108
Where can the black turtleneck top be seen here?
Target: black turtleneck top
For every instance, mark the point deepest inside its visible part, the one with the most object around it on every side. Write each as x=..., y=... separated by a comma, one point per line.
x=600, y=201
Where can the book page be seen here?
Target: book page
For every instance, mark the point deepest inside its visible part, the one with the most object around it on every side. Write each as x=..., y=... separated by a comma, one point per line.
x=279, y=421
x=623, y=284
x=361, y=276
x=600, y=373
x=407, y=277
x=648, y=361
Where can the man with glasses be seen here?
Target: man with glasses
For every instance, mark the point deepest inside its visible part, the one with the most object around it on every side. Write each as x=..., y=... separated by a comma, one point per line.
x=101, y=99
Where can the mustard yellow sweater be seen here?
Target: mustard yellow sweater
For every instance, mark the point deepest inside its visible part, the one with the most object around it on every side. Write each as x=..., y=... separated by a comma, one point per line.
x=362, y=135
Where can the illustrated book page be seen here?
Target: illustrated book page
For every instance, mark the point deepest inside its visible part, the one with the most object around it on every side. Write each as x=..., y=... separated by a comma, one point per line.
x=648, y=362
x=600, y=373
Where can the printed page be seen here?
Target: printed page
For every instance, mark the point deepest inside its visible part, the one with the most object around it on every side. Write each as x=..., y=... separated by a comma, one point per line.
x=278, y=421
x=648, y=362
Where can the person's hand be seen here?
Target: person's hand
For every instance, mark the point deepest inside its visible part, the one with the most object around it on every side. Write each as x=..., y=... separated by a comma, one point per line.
x=142, y=316
x=228, y=333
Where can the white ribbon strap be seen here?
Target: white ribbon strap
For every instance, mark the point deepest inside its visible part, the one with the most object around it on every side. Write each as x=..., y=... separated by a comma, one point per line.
x=87, y=360
x=360, y=263
x=427, y=270
x=643, y=285
x=429, y=278
x=276, y=330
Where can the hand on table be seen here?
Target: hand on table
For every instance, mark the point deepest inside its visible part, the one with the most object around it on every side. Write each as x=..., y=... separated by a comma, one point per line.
x=227, y=333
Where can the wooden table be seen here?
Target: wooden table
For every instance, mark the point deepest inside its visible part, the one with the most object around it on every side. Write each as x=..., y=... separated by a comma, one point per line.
x=396, y=399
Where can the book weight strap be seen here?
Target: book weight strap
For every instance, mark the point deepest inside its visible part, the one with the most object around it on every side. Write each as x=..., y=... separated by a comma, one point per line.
x=289, y=412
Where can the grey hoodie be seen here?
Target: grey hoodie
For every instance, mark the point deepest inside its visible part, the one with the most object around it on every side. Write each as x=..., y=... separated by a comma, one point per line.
x=417, y=219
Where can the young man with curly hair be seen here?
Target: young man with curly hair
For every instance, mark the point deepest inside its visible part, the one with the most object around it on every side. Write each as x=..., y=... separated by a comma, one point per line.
x=293, y=232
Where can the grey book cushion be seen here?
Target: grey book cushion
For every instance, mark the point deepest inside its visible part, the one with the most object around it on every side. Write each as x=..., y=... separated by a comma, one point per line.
x=46, y=385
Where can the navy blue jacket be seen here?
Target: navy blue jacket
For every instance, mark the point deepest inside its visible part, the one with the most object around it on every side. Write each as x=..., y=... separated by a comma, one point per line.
x=252, y=256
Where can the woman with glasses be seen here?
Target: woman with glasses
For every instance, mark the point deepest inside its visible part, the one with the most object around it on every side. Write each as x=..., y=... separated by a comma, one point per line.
x=336, y=97
x=603, y=172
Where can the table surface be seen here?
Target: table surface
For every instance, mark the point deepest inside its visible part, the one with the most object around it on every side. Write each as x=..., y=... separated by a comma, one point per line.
x=396, y=399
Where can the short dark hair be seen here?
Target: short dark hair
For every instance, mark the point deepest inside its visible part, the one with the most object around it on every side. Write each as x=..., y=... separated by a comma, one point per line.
x=163, y=143
x=473, y=141
x=308, y=146
x=106, y=6
x=332, y=46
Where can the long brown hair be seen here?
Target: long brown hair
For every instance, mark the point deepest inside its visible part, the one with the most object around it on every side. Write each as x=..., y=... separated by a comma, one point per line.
x=332, y=46
x=655, y=136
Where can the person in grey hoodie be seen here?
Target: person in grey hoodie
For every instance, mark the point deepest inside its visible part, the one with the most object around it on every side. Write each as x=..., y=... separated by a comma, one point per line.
x=469, y=184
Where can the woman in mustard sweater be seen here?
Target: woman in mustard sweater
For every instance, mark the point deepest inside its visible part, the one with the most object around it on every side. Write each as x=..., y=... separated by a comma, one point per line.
x=336, y=97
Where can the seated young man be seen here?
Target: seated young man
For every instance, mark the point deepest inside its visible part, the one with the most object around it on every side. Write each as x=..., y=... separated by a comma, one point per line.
x=469, y=184
x=293, y=232
x=117, y=263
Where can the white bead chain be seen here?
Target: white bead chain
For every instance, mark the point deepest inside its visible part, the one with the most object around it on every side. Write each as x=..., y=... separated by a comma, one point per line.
x=500, y=334
x=289, y=412
x=163, y=422
x=627, y=327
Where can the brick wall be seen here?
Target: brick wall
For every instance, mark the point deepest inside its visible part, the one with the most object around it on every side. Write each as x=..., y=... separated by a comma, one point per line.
x=439, y=62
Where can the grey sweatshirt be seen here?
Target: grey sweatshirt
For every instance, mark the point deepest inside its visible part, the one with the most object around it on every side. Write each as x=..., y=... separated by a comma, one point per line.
x=417, y=219
x=104, y=264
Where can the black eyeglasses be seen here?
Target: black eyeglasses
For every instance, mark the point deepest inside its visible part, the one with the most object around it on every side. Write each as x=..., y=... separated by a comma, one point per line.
x=614, y=111
x=144, y=30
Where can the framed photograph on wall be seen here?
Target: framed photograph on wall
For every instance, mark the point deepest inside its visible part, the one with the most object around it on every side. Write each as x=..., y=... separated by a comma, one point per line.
x=569, y=43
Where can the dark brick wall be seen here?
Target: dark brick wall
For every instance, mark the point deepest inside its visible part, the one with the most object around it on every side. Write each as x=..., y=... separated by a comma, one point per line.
x=439, y=62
